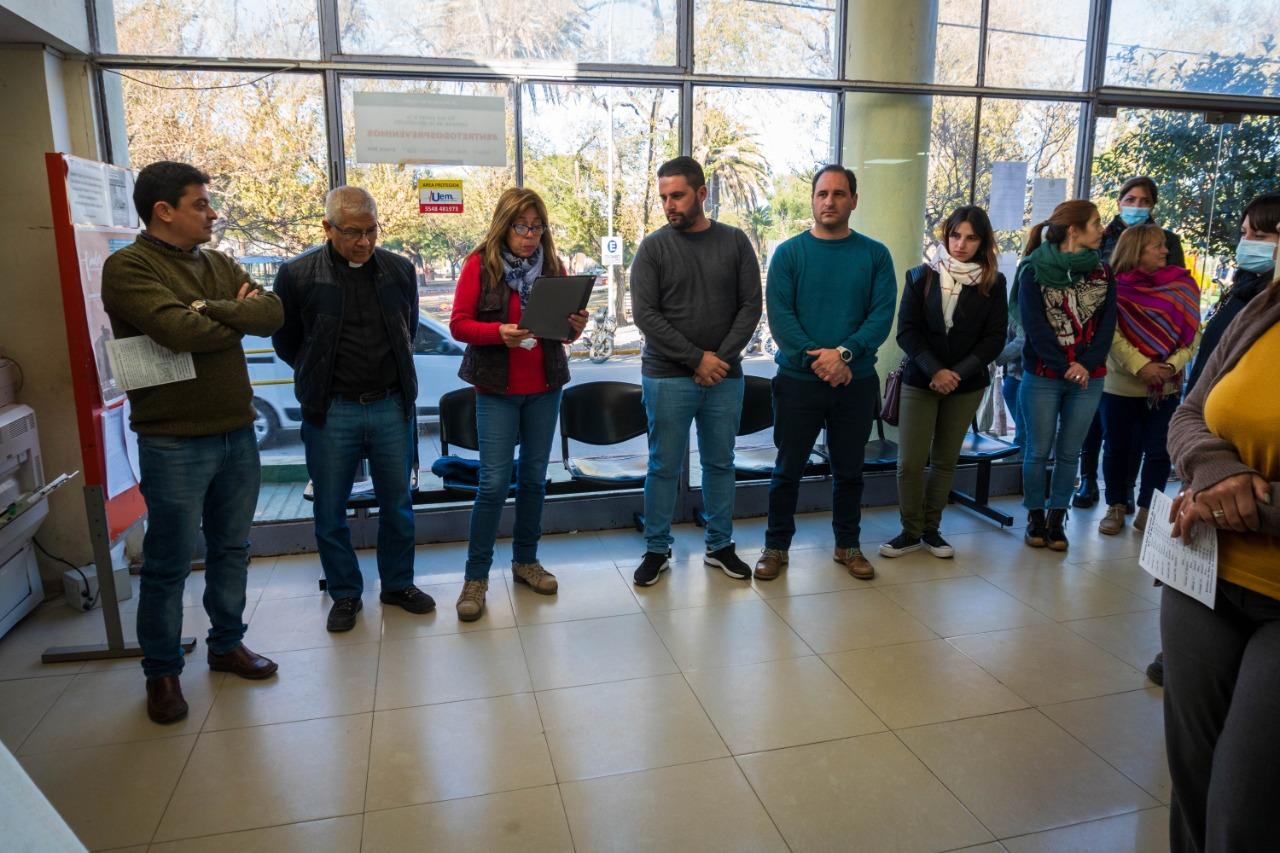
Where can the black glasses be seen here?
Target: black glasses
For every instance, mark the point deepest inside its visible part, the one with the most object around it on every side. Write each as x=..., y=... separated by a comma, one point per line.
x=357, y=233
x=525, y=230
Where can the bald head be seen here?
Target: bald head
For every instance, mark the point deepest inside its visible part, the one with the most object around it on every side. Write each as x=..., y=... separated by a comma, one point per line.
x=342, y=203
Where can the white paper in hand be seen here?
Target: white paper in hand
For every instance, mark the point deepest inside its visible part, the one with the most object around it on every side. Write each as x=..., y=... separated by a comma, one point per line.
x=1190, y=564
x=140, y=362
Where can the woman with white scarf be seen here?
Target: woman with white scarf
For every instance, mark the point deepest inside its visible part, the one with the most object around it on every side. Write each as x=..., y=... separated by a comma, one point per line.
x=952, y=322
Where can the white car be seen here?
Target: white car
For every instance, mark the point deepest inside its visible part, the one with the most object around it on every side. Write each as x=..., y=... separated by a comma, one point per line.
x=436, y=358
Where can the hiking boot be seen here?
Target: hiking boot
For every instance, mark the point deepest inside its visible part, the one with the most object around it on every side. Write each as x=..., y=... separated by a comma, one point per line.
x=852, y=559
x=937, y=546
x=651, y=568
x=537, y=578
x=471, y=600
x=342, y=615
x=1036, y=533
x=1087, y=495
x=772, y=561
x=1056, y=536
x=903, y=543
x=726, y=560
x=1140, y=520
x=410, y=598
x=1113, y=522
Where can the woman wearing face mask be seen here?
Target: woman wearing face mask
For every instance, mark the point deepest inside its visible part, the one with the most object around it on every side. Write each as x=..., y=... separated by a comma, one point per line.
x=951, y=324
x=1255, y=266
x=1067, y=300
x=1136, y=201
x=1157, y=328
x=518, y=380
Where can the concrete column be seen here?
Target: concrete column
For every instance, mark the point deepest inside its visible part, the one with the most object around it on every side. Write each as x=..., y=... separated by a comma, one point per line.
x=886, y=137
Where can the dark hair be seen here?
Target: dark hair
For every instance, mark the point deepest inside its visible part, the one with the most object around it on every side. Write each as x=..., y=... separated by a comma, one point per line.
x=835, y=167
x=986, y=253
x=1076, y=212
x=1263, y=213
x=163, y=181
x=687, y=168
x=1140, y=181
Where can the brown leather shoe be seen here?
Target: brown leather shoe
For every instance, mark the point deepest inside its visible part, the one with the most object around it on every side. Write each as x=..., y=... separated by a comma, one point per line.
x=857, y=564
x=772, y=561
x=164, y=699
x=243, y=663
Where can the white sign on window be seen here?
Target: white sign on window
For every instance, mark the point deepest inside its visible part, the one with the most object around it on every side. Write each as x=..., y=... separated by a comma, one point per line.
x=1008, y=195
x=610, y=251
x=439, y=130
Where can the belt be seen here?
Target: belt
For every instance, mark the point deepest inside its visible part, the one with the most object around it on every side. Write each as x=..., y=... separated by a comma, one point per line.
x=367, y=397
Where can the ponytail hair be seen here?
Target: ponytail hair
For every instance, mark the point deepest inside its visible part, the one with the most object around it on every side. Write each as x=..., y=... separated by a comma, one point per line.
x=1076, y=212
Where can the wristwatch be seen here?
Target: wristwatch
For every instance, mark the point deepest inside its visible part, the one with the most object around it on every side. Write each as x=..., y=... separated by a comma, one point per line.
x=845, y=355
x=199, y=305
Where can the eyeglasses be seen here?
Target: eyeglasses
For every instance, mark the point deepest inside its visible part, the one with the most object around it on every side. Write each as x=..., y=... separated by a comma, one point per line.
x=357, y=233
x=525, y=230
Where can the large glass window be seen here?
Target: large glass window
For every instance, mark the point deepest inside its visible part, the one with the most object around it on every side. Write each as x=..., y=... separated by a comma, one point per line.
x=610, y=31
x=934, y=41
x=248, y=28
x=1195, y=46
x=765, y=37
x=1037, y=44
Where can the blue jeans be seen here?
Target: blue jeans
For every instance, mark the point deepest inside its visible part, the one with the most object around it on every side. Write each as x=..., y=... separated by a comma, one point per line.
x=1135, y=430
x=502, y=422
x=1057, y=415
x=380, y=433
x=1009, y=391
x=208, y=481
x=801, y=408
x=673, y=405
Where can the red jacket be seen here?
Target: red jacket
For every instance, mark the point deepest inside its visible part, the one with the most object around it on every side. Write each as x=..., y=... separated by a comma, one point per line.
x=526, y=372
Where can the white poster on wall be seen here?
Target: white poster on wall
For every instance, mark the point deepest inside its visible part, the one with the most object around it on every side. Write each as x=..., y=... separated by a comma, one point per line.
x=437, y=130
x=87, y=192
x=1046, y=194
x=1008, y=195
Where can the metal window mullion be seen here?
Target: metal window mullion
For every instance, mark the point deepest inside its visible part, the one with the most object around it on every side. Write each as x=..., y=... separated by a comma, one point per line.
x=973, y=156
x=983, y=20
x=842, y=38
x=517, y=124
x=327, y=16
x=332, y=82
x=1094, y=75
x=684, y=35
x=837, y=128
x=686, y=119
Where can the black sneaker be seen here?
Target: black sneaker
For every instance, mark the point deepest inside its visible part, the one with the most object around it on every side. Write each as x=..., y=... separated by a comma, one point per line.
x=1155, y=669
x=410, y=598
x=937, y=546
x=1037, y=533
x=651, y=567
x=1056, y=534
x=726, y=560
x=342, y=615
x=901, y=544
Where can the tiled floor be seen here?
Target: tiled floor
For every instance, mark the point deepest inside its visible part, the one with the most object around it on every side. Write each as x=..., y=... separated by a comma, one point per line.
x=991, y=702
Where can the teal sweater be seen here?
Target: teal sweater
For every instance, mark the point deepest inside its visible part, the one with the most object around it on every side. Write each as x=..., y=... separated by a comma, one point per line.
x=827, y=293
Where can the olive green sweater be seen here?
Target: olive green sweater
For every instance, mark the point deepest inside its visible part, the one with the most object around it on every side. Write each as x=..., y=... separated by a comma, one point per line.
x=147, y=289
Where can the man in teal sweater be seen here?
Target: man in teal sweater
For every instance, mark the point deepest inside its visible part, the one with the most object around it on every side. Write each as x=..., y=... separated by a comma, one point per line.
x=830, y=296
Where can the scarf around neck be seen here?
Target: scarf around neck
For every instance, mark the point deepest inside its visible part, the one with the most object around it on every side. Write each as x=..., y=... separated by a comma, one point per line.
x=1071, y=297
x=1158, y=312
x=952, y=276
x=520, y=273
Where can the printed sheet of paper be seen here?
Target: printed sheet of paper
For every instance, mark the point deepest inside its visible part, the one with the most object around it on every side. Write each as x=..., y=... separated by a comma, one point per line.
x=1190, y=564
x=119, y=472
x=1046, y=194
x=1008, y=195
x=140, y=362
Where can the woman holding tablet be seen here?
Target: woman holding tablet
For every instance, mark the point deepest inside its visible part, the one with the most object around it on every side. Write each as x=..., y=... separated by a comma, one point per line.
x=518, y=379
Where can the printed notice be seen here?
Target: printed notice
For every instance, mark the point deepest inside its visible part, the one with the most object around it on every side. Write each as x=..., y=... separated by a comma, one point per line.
x=1190, y=564
x=140, y=362
x=1046, y=194
x=1008, y=195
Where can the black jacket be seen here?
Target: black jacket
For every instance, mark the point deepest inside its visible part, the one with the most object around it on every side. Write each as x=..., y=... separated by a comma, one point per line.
x=1244, y=286
x=976, y=337
x=312, y=295
x=1111, y=236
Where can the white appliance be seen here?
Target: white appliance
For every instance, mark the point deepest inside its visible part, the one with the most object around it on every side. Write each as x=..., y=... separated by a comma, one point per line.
x=21, y=512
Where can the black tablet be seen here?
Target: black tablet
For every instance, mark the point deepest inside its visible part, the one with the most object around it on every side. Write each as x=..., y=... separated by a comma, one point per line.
x=552, y=301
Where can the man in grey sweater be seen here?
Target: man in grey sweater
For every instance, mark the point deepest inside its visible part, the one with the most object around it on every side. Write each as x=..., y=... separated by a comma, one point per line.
x=695, y=290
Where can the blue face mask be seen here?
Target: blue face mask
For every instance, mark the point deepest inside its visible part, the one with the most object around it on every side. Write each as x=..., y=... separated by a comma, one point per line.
x=1255, y=255
x=1134, y=215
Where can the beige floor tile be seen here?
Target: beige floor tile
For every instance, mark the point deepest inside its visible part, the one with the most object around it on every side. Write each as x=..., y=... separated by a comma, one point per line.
x=1048, y=663
x=51, y=624
x=327, y=682
x=195, y=623
x=1126, y=729
x=111, y=796
x=1018, y=772
x=811, y=571
x=333, y=835
x=780, y=703
x=530, y=821
x=1088, y=545
x=915, y=567
x=298, y=575
x=260, y=572
x=588, y=651
x=1132, y=637
x=855, y=619
x=1125, y=572
x=290, y=624
x=460, y=749
x=968, y=605
x=690, y=583
x=398, y=624
x=1002, y=550
x=993, y=847
x=23, y=702
x=1070, y=592
x=451, y=668
x=100, y=708
x=626, y=726
x=699, y=808
x=585, y=593
x=1138, y=832
x=913, y=684
x=867, y=788
x=726, y=635
x=270, y=775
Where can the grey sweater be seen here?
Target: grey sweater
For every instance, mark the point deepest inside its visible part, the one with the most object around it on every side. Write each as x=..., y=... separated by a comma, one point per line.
x=694, y=293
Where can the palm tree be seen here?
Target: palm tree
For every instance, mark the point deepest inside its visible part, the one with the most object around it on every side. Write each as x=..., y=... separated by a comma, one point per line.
x=737, y=172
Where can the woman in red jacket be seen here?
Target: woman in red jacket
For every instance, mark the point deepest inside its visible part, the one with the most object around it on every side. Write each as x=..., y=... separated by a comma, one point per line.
x=518, y=379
